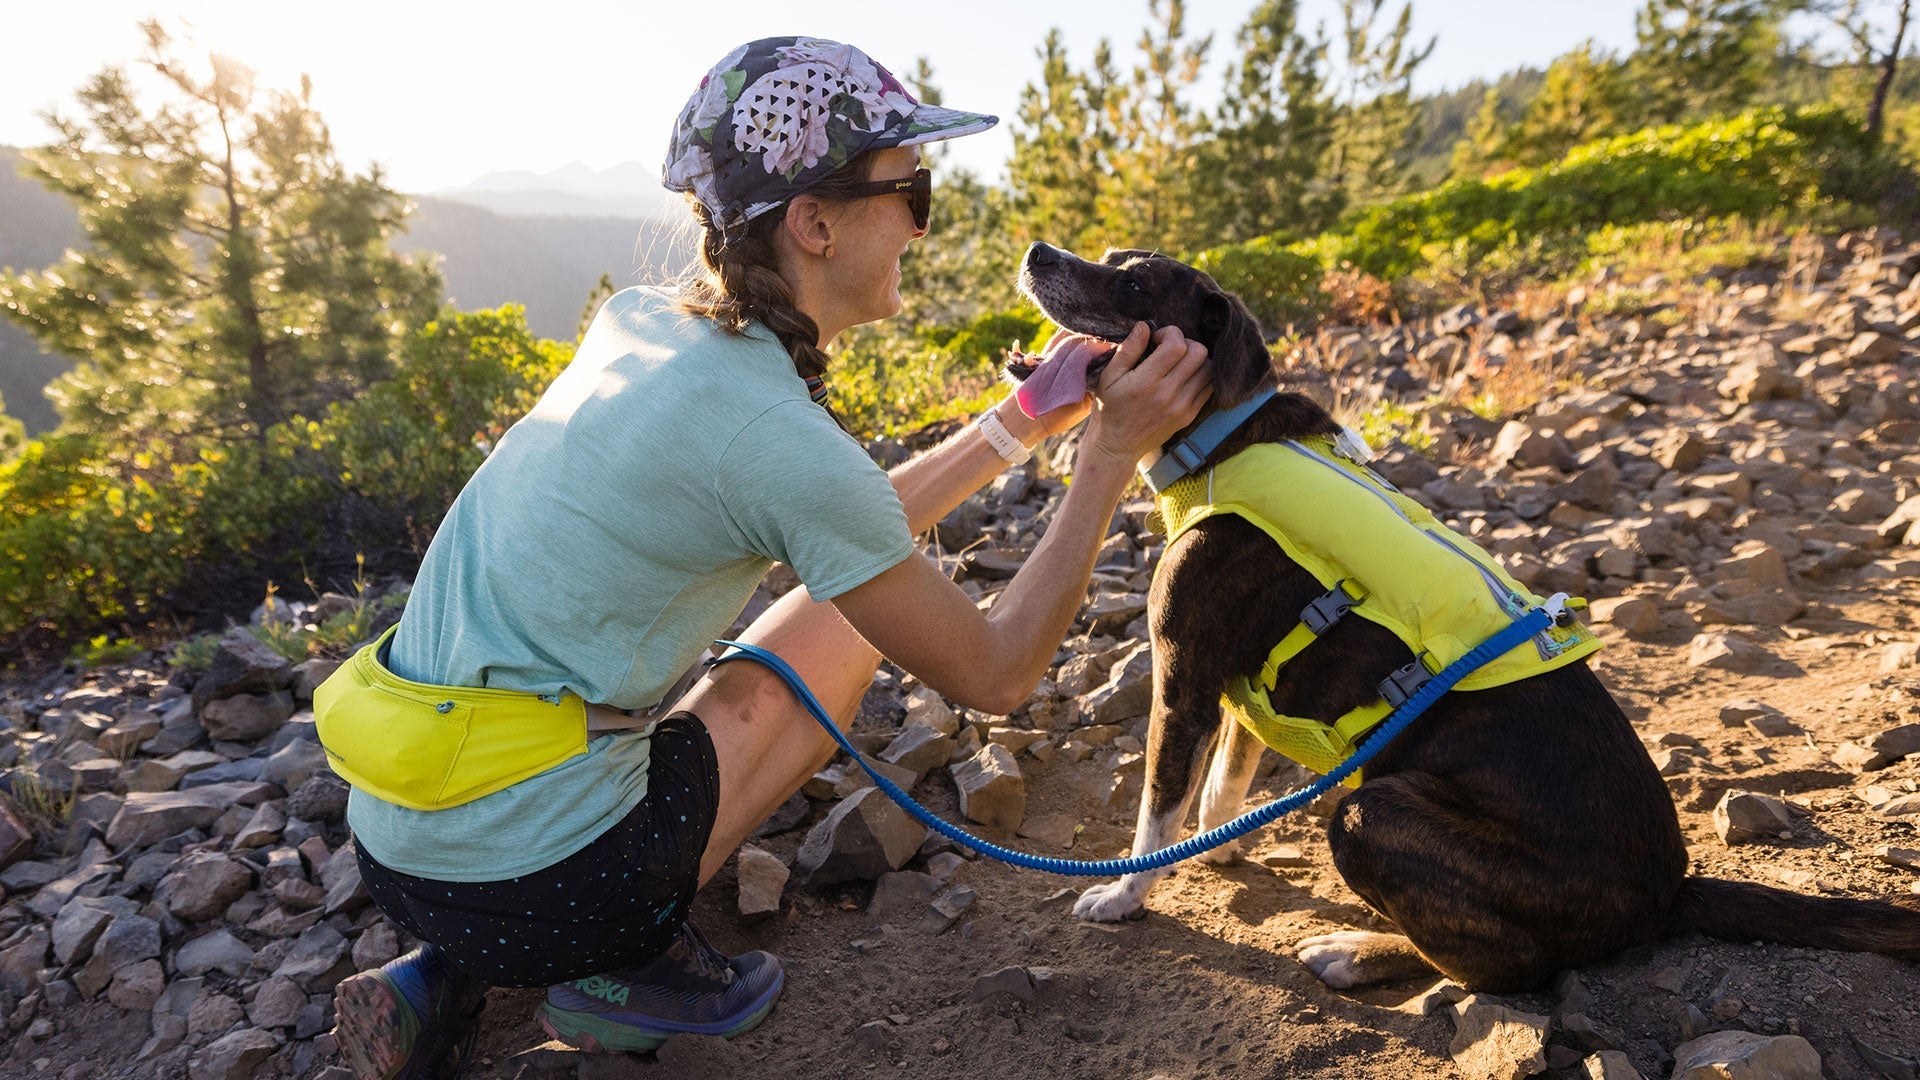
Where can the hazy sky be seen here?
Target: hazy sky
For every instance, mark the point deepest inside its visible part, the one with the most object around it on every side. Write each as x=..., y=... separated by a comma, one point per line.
x=439, y=94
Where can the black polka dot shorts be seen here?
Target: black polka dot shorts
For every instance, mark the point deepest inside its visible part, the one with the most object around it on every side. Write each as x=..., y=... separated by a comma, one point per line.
x=616, y=903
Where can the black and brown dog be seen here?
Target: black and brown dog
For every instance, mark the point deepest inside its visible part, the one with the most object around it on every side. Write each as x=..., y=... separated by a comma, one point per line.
x=1509, y=833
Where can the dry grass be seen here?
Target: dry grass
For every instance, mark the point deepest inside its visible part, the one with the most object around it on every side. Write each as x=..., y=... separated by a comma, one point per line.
x=46, y=811
x=1515, y=384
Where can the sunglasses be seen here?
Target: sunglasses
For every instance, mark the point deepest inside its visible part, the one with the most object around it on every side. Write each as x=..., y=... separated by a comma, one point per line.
x=918, y=189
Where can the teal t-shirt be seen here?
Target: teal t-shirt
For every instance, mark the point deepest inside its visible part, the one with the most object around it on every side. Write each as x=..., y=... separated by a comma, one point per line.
x=608, y=539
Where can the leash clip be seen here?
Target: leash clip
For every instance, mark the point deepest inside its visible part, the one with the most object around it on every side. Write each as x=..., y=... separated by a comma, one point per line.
x=1556, y=609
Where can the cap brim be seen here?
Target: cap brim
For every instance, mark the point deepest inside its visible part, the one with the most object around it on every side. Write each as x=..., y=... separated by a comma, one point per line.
x=931, y=123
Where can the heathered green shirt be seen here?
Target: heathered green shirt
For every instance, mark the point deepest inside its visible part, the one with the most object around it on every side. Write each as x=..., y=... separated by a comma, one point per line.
x=610, y=537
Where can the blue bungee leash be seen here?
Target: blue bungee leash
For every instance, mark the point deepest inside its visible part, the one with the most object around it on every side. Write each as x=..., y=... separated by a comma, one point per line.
x=1533, y=622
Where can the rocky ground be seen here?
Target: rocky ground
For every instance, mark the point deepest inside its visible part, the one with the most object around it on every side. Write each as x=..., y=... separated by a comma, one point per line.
x=1729, y=471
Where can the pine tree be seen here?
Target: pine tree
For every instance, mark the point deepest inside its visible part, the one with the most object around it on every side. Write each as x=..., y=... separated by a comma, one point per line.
x=1584, y=97
x=1483, y=149
x=1157, y=131
x=12, y=434
x=1260, y=171
x=1375, y=113
x=1057, y=167
x=1697, y=58
x=1877, y=65
x=965, y=264
x=236, y=274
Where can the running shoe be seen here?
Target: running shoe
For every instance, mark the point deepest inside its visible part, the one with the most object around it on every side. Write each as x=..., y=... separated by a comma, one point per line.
x=410, y=1020
x=693, y=987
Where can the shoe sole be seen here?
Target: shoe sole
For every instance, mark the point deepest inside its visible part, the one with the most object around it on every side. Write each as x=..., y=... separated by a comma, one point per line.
x=373, y=1025
x=599, y=1034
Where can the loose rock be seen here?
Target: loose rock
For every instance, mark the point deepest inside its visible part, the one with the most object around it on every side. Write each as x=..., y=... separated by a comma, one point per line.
x=1494, y=1042
x=1611, y=1065
x=762, y=879
x=234, y=1057
x=1742, y=817
x=1743, y=1055
x=865, y=836
x=992, y=791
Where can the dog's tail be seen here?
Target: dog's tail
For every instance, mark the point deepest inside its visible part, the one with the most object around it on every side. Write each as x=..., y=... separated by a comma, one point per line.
x=1744, y=911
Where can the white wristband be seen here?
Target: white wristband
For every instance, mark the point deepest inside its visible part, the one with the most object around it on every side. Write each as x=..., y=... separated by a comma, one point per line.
x=1003, y=442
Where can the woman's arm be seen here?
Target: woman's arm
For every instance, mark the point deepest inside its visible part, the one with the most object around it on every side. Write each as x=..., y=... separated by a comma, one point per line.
x=922, y=621
x=935, y=482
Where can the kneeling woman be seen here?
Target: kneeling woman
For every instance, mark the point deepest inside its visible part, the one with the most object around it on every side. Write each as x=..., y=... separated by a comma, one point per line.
x=534, y=798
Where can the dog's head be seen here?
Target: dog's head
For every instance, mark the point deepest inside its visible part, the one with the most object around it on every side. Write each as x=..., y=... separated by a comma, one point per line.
x=1104, y=300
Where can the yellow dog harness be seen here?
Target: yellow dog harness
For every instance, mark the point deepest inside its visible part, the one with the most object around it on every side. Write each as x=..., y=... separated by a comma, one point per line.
x=431, y=747
x=1380, y=555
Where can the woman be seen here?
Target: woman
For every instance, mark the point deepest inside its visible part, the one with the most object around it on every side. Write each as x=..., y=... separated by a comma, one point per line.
x=532, y=798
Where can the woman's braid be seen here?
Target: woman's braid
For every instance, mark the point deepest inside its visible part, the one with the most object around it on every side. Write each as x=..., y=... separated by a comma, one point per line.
x=742, y=282
x=742, y=285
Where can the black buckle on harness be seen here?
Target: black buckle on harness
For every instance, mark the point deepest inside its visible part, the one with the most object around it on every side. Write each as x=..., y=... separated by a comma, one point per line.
x=1404, y=683
x=1325, y=610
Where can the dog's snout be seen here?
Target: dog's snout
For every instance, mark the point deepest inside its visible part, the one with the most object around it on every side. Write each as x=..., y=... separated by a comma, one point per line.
x=1043, y=254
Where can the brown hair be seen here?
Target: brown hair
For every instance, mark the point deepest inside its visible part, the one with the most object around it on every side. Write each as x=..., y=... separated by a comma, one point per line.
x=742, y=282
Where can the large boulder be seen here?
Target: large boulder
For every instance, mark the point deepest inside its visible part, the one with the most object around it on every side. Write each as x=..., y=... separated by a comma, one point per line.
x=242, y=664
x=865, y=836
x=1492, y=1041
x=150, y=816
x=1743, y=1055
x=247, y=717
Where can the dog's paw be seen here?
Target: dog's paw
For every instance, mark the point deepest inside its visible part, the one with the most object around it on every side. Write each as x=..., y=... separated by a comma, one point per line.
x=1336, y=958
x=1227, y=854
x=1113, y=901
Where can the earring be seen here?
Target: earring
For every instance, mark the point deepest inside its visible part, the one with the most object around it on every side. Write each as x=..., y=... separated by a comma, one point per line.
x=829, y=251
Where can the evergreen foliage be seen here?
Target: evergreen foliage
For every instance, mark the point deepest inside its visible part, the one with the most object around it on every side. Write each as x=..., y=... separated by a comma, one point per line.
x=81, y=544
x=1374, y=111
x=263, y=390
x=1761, y=162
x=236, y=273
x=1272, y=130
x=1696, y=58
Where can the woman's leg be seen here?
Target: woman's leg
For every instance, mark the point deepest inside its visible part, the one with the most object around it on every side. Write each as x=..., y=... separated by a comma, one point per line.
x=766, y=741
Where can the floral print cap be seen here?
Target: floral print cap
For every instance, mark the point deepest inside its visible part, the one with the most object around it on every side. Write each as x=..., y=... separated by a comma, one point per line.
x=780, y=114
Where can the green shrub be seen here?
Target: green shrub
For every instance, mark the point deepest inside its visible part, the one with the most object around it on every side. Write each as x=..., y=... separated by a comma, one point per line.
x=194, y=653
x=1389, y=421
x=977, y=346
x=892, y=384
x=1761, y=162
x=1685, y=248
x=83, y=539
x=1279, y=283
x=103, y=650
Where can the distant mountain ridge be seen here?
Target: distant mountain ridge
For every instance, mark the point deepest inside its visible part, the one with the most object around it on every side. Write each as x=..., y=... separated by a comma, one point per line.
x=629, y=189
x=549, y=262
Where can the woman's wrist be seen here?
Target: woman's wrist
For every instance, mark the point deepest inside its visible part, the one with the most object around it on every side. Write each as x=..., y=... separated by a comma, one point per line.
x=1018, y=424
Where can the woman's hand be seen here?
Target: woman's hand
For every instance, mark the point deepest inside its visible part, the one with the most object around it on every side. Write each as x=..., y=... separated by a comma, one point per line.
x=1031, y=429
x=1144, y=397
x=1067, y=416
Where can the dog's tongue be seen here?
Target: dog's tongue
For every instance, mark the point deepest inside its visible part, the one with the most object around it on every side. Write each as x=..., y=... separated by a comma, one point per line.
x=1061, y=378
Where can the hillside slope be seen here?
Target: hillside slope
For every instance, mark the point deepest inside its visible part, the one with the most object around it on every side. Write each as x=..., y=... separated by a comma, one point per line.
x=1728, y=472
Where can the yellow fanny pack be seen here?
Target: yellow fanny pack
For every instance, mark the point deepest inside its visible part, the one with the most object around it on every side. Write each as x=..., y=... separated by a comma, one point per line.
x=431, y=747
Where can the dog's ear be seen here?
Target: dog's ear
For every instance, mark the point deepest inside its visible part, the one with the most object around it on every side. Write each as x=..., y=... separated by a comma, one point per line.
x=1235, y=348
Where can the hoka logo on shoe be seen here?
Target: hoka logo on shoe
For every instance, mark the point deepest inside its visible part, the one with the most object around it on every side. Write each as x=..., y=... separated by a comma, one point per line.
x=605, y=989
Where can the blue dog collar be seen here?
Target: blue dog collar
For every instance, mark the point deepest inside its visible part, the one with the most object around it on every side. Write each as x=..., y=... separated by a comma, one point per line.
x=1187, y=455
